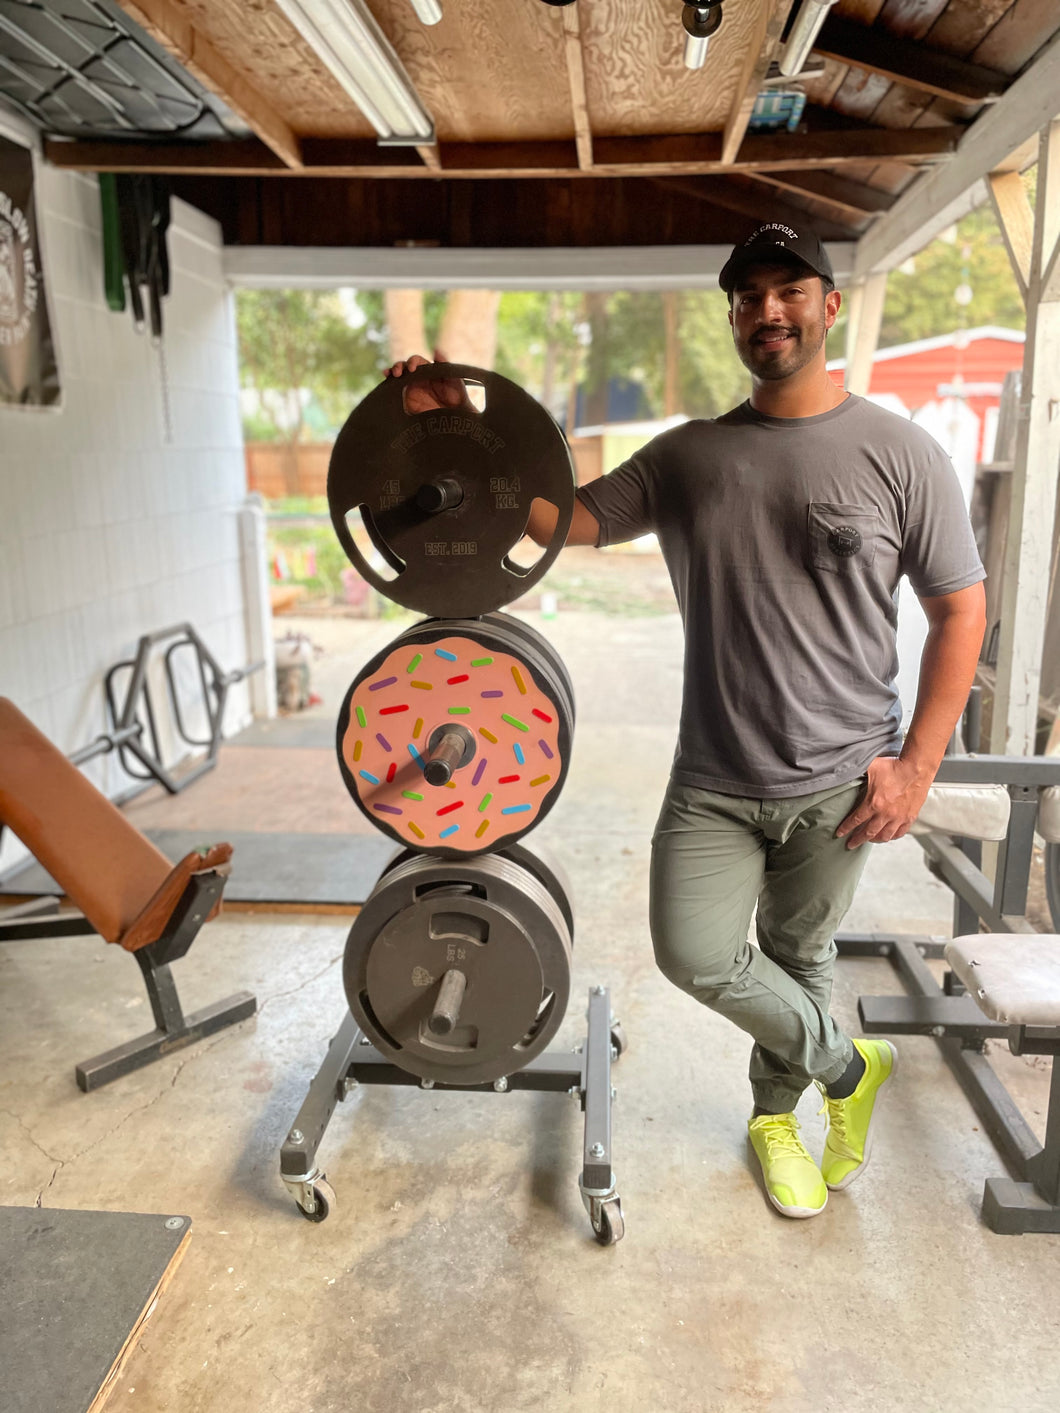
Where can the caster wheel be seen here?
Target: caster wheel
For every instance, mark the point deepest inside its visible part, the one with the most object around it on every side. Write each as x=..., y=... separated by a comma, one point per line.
x=619, y=1042
x=323, y=1200
x=609, y=1225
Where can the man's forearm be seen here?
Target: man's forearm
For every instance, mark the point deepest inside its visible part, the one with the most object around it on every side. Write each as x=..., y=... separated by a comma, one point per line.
x=947, y=670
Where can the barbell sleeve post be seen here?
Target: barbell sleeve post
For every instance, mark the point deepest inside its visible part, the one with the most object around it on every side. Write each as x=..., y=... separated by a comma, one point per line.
x=443, y=494
x=444, y=758
x=446, y=1011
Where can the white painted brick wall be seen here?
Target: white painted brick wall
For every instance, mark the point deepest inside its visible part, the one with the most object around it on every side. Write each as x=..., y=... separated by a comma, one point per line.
x=107, y=529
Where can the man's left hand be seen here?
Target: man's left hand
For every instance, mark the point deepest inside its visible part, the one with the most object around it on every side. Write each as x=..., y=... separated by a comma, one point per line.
x=895, y=792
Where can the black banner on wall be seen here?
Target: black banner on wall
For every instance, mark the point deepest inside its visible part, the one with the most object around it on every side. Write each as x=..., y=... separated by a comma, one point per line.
x=28, y=371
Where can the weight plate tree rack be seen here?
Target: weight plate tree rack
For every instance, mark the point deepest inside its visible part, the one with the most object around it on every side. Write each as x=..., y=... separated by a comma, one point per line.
x=455, y=741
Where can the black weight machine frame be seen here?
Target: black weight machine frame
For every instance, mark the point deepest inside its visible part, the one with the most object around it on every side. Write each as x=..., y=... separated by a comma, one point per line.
x=1030, y=1200
x=584, y=1074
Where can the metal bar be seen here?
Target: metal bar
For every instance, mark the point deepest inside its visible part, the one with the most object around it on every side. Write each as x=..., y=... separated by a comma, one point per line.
x=327, y=1088
x=102, y=744
x=1012, y=1135
x=1014, y=855
x=1000, y=770
x=936, y=1015
x=133, y=1055
x=161, y=992
x=882, y=944
x=965, y=917
x=910, y=964
x=1045, y=1168
x=596, y=1148
x=969, y=883
x=30, y=929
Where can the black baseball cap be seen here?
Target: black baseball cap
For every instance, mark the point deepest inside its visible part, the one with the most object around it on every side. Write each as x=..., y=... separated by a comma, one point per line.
x=775, y=242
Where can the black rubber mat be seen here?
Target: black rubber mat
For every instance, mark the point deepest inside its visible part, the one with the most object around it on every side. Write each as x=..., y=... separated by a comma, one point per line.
x=77, y=1286
x=266, y=868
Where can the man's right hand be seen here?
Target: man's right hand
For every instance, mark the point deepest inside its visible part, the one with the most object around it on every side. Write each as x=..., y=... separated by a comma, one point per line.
x=438, y=392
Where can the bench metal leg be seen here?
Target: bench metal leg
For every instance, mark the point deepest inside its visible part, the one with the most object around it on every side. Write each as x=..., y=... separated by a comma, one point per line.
x=1013, y=1208
x=173, y=1030
x=1030, y=1200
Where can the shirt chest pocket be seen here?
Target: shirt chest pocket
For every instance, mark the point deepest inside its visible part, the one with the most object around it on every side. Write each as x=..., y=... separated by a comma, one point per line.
x=843, y=538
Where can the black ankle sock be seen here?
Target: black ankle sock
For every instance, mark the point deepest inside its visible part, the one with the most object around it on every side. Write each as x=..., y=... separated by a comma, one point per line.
x=848, y=1081
x=759, y=1112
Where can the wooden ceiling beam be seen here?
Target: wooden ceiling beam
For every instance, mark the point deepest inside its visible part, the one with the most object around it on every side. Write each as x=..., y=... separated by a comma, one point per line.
x=852, y=198
x=572, y=41
x=682, y=155
x=169, y=26
x=763, y=45
x=739, y=194
x=873, y=48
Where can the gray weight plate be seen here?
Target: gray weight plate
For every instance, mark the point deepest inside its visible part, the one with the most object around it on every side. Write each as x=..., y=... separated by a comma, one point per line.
x=487, y=918
x=538, y=860
x=444, y=495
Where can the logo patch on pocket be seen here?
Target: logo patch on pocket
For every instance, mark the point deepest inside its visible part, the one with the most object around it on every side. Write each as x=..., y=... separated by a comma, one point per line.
x=845, y=541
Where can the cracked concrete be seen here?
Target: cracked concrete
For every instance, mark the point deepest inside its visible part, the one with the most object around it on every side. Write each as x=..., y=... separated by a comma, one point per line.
x=458, y=1271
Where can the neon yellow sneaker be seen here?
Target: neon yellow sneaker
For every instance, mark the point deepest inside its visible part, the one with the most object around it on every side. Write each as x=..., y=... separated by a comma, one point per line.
x=793, y=1179
x=850, y=1121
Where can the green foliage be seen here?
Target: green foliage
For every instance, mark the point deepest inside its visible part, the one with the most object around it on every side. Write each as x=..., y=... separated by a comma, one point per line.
x=920, y=296
x=296, y=341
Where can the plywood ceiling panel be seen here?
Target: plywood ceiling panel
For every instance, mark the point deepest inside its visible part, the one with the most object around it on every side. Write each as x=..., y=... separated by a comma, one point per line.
x=488, y=71
x=257, y=39
x=634, y=68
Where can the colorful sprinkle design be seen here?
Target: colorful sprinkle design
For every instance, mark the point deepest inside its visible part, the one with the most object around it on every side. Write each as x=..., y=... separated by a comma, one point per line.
x=384, y=744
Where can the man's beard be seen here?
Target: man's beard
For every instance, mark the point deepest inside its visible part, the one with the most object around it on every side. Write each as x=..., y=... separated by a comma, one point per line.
x=770, y=368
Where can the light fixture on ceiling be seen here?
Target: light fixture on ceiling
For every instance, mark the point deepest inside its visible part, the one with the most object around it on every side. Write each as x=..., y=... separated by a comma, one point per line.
x=701, y=23
x=348, y=41
x=429, y=12
x=804, y=30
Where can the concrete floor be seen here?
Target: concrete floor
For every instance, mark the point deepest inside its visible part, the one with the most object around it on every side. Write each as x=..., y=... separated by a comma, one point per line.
x=458, y=1271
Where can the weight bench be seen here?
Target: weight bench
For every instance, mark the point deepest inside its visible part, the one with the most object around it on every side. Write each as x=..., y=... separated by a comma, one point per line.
x=1003, y=984
x=127, y=890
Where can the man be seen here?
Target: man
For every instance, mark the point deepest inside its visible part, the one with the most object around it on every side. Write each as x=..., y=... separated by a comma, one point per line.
x=786, y=525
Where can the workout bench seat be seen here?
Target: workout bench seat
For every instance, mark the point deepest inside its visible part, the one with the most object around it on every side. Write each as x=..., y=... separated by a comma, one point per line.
x=127, y=890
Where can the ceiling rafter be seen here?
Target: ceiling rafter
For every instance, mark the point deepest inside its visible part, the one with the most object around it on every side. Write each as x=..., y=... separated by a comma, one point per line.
x=763, y=45
x=856, y=199
x=736, y=193
x=613, y=156
x=875, y=49
x=171, y=28
x=572, y=41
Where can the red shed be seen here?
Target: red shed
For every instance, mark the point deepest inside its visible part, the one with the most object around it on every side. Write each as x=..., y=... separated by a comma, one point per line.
x=969, y=364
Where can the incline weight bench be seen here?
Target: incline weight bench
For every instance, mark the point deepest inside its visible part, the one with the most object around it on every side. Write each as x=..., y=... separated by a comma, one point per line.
x=127, y=891
x=1003, y=984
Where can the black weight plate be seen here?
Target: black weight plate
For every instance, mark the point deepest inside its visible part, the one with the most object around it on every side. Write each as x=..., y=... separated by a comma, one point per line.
x=454, y=562
x=539, y=643
x=488, y=918
x=438, y=673
x=539, y=861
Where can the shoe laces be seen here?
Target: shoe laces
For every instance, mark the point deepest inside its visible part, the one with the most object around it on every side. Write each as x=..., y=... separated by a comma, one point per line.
x=837, y=1114
x=781, y=1134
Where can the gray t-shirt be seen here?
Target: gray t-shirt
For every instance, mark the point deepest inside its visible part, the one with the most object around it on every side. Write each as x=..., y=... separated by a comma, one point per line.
x=785, y=540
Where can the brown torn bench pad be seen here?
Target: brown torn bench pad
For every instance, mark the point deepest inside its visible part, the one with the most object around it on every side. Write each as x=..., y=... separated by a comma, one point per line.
x=124, y=885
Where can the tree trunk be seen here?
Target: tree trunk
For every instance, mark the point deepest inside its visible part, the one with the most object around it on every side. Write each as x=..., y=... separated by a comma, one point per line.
x=672, y=366
x=404, y=319
x=469, y=326
x=597, y=365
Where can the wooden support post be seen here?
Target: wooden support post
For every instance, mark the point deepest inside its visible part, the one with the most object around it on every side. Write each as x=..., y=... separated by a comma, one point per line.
x=1029, y=547
x=865, y=301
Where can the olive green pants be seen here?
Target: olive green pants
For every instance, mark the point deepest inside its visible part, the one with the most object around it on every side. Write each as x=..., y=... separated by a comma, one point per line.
x=713, y=858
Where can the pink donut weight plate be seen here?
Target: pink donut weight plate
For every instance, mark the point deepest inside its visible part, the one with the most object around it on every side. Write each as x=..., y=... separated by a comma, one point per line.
x=401, y=699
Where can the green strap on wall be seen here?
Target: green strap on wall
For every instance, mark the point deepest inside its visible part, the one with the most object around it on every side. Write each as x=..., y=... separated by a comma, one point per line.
x=113, y=264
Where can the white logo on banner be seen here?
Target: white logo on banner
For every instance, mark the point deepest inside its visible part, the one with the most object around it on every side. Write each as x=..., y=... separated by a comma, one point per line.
x=18, y=274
